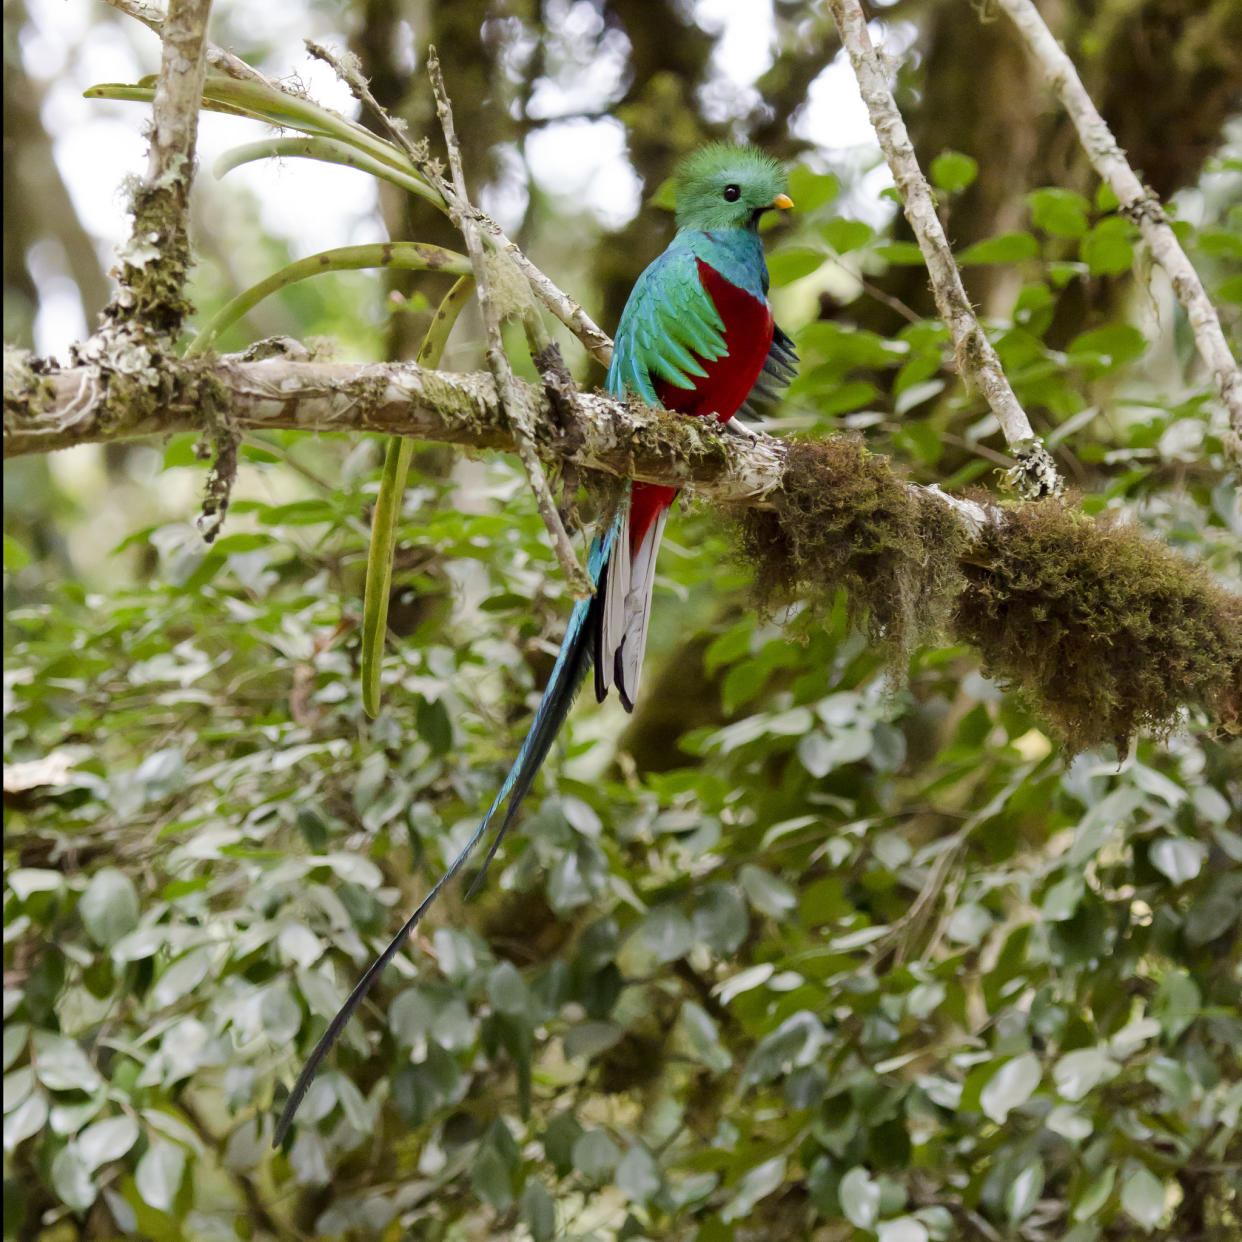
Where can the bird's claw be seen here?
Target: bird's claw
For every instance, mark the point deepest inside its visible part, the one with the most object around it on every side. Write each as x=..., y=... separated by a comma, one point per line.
x=735, y=427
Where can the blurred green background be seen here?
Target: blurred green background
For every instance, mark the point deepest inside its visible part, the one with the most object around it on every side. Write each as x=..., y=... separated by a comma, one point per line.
x=801, y=949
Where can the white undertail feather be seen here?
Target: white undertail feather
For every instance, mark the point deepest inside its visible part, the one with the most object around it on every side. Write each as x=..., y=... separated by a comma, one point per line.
x=628, y=657
x=616, y=589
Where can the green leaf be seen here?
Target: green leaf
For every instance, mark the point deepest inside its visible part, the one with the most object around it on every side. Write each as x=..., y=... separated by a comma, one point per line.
x=16, y=1036
x=587, y=1039
x=952, y=171
x=1010, y=1087
x=1178, y=1002
x=1221, y=243
x=1005, y=248
x=1023, y=1192
x=1229, y=290
x=182, y=977
x=1061, y=213
x=1106, y=250
x=61, y=1065
x=698, y=1035
x=434, y=725
x=810, y=190
x=846, y=235
x=538, y=1211
x=860, y=1198
x=507, y=991
x=490, y=1178
x=720, y=918
x=71, y=1178
x=26, y=881
x=842, y=398
x=1076, y=1073
x=1061, y=900
x=756, y=1184
x=667, y=933
x=766, y=893
x=792, y=263
x=16, y=557
x=1142, y=1197
x=902, y=1229
x=1105, y=199
x=596, y=1156
x=899, y=254
x=638, y=1175
x=1178, y=858
x=25, y=1119
x=1105, y=349
x=1096, y=1193
x=159, y=1173
x=107, y=1139
x=559, y=1139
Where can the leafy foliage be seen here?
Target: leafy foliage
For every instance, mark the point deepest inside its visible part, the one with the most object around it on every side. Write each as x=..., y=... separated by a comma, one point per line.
x=853, y=956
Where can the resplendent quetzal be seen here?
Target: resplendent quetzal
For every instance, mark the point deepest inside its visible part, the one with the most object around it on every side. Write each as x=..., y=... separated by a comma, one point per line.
x=696, y=337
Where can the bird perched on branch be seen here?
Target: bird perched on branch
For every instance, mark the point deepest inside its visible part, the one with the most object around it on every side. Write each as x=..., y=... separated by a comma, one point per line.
x=697, y=337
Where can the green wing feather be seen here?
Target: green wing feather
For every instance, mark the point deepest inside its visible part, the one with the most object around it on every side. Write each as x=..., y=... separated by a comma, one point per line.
x=668, y=324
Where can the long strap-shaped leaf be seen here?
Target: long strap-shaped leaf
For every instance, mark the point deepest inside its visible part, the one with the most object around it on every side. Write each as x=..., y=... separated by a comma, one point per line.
x=409, y=256
x=388, y=509
x=327, y=150
x=264, y=103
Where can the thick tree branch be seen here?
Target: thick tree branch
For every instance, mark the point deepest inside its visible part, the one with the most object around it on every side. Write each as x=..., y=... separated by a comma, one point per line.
x=976, y=359
x=1137, y=202
x=48, y=408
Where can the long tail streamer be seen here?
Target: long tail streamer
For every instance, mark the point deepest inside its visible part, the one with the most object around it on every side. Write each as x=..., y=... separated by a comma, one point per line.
x=572, y=662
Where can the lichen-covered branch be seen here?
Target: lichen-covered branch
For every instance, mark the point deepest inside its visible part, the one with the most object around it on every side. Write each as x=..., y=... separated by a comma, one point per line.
x=139, y=327
x=155, y=262
x=977, y=361
x=47, y=407
x=1136, y=201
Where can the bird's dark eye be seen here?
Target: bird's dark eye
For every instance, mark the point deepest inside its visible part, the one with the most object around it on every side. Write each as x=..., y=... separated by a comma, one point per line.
x=732, y=193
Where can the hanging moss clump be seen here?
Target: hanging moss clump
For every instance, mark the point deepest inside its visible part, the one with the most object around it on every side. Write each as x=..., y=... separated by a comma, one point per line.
x=844, y=520
x=1104, y=631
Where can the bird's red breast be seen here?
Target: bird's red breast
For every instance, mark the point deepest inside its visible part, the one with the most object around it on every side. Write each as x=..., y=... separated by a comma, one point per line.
x=727, y=384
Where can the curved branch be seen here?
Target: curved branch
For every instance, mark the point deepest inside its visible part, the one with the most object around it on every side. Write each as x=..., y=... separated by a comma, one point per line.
x=1036, y=475
x=1137, y=202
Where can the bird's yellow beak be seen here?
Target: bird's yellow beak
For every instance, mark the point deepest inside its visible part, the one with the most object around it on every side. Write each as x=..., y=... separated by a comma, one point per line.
x=783, y=201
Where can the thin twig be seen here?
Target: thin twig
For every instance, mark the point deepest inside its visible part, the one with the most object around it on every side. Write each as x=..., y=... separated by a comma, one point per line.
x=977, y=361
x=1136, y=201
x=152, y=17
x=593, y=338
x=515, y=406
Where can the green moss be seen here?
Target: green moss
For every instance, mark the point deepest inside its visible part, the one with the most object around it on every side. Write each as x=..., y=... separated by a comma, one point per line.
x=844, y=520
x=1104, y=631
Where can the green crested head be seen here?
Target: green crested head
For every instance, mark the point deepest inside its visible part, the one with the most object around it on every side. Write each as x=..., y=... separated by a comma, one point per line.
x=727, y=187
